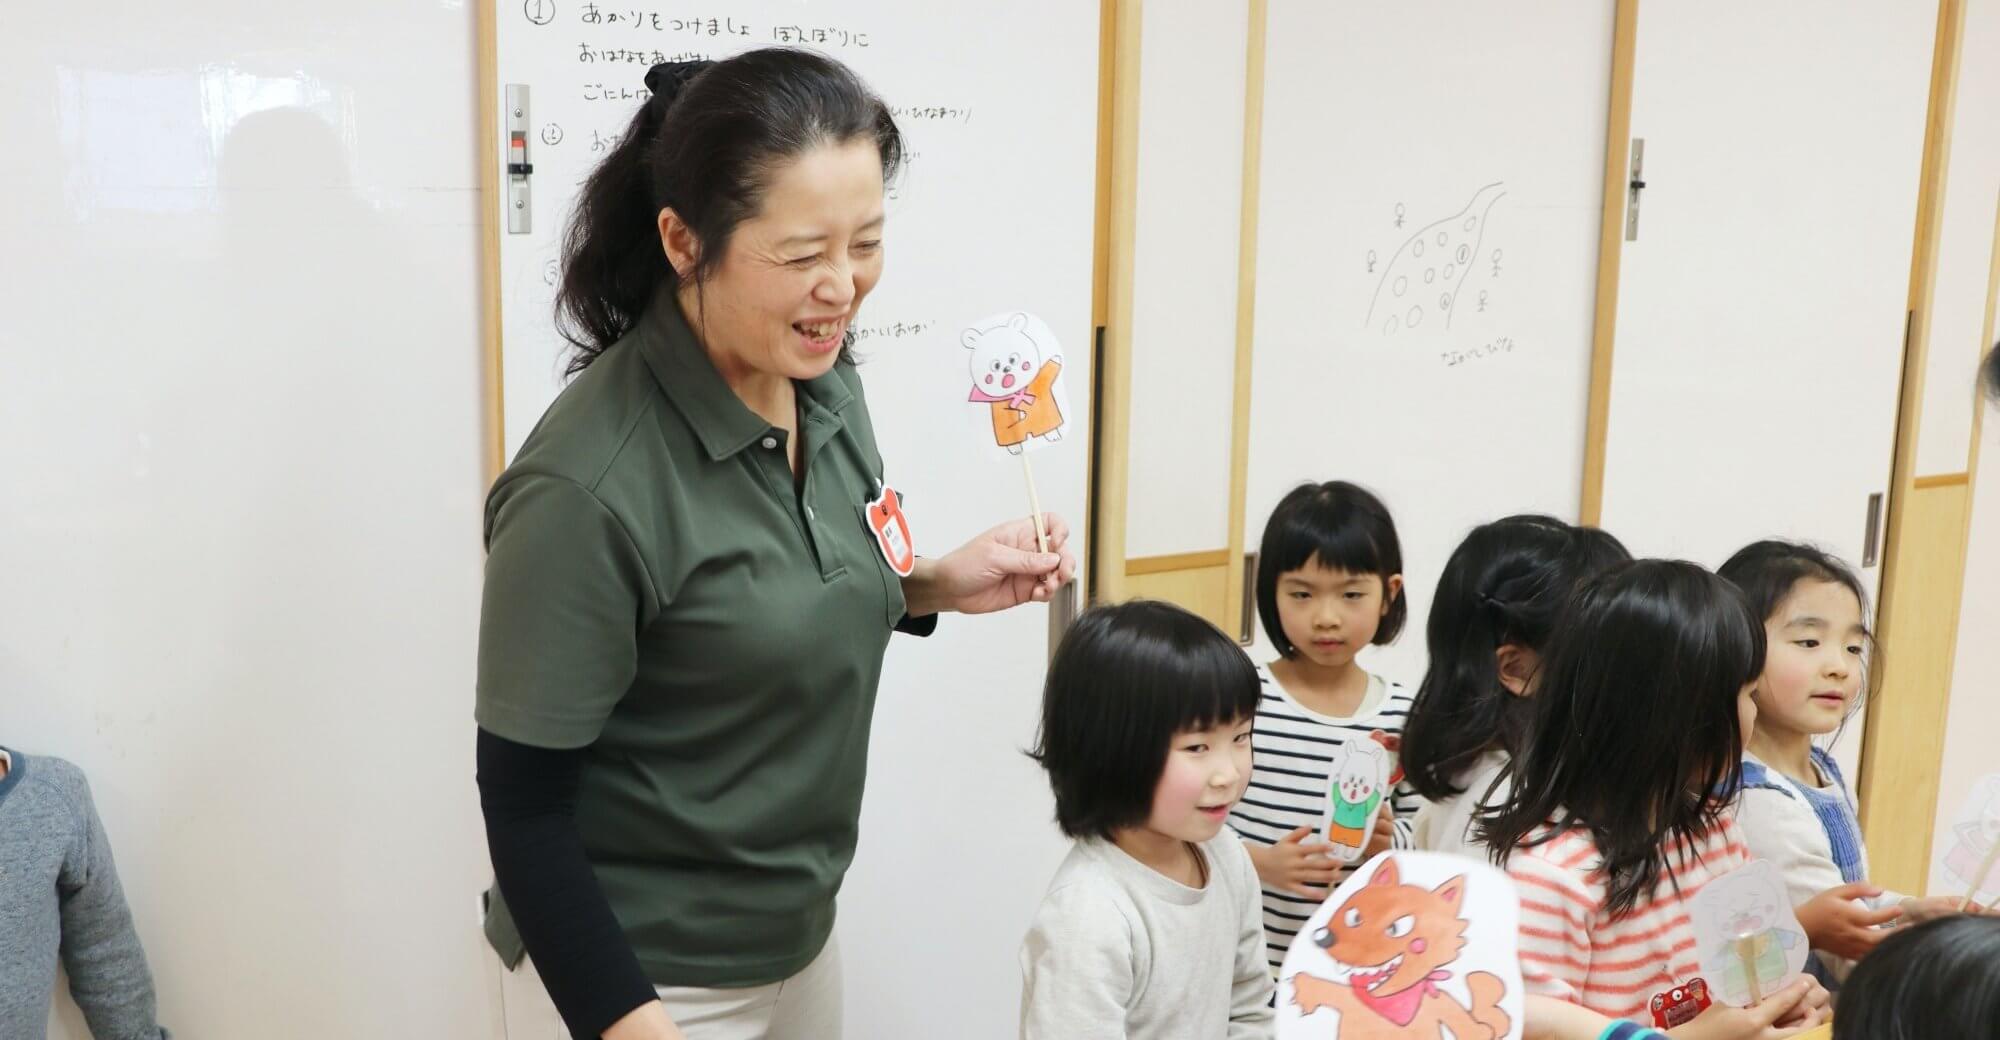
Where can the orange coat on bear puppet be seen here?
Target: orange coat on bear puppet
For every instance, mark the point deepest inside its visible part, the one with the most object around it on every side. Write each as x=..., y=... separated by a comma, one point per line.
x=1012, y=426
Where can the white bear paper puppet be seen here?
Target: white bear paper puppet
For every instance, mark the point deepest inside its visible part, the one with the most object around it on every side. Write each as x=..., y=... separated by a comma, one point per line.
x=1015, y=364
x=1357, y=784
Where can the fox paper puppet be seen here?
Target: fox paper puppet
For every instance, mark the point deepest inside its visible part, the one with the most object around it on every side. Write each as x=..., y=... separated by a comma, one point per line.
x=1413, y=945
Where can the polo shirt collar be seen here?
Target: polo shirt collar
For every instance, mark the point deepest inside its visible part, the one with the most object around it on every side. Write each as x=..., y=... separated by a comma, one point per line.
x=722, y=422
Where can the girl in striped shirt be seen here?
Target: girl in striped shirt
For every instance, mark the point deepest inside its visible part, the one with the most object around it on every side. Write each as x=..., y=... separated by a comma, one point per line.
x=1619, y=816
x=1329, y=582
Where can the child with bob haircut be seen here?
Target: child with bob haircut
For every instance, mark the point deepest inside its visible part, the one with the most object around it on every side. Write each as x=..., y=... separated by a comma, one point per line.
x=1329, y=584
x=1150, y=929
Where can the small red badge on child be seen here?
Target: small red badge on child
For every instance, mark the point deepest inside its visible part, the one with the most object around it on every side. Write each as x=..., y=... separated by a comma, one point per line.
x=1680, y=1005
x=892, y=531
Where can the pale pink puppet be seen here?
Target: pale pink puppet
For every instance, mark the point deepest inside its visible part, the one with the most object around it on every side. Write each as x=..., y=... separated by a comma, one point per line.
x=1413, y=945
x=1749, y=941
x=1969, y=860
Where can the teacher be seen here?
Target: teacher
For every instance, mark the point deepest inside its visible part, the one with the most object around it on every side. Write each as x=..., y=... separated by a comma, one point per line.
x=687, y=601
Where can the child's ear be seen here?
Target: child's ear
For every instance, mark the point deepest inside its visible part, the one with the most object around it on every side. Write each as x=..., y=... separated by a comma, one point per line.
x=1516, y=665
x=1392, y=587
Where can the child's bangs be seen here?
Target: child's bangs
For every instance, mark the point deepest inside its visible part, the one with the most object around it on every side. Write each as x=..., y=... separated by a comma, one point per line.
x=1206, y=682
x=1320, y=535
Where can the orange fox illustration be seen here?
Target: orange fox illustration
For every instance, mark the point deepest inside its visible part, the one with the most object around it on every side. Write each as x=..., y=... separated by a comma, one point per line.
x=1389, y=944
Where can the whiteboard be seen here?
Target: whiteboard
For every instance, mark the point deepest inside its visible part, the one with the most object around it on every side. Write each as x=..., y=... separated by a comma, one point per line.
x=1761, y=309
x=995, y=213
x=1427, y=261
x=239, y=422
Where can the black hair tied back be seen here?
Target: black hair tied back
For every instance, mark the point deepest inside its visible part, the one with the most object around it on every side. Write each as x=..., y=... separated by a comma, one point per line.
x=665, y=81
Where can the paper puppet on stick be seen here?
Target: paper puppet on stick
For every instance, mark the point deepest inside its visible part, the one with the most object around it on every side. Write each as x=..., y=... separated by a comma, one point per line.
x=1969, y=860
x=1413, y=945
x=1358, y=783
x=1017, y=379
x=1747, y=937
x=1016, y=368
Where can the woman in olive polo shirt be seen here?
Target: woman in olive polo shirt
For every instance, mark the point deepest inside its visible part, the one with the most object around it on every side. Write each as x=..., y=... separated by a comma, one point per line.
x=686, y=607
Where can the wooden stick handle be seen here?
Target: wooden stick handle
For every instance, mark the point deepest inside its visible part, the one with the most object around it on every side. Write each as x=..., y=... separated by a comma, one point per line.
x=1746, y=951
x=1979, y=877
x=1034, y=501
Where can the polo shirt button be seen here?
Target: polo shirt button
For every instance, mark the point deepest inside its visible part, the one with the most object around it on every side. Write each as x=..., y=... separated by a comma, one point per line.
x=770, y=443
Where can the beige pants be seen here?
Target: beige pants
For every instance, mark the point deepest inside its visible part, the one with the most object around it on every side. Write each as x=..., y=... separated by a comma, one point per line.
x=806, y=1006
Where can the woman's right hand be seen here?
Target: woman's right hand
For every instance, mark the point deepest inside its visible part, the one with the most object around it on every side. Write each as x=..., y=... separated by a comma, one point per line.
x=648, y=1021
x=1292, y=866
x=1788, y=1012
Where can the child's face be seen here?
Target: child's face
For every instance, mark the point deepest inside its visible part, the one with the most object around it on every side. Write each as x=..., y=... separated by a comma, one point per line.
x=1812, y=672
x=1207, y=771
x=1328, y=614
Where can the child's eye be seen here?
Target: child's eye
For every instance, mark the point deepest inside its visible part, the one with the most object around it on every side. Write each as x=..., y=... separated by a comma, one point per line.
x=1300, y=595
x=1808, y=644
x=1242, y=738
x=1355, y=595
x=1193, y=748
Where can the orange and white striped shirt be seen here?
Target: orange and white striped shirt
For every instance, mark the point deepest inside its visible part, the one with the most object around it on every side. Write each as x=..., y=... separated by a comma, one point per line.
x=1573, y=950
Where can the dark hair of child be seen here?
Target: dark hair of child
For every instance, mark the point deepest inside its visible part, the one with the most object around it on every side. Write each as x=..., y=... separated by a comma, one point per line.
x=1939, y=980
x=1506, y=583
x=1636, y=736
x=1124, y=680
x=1340, y=526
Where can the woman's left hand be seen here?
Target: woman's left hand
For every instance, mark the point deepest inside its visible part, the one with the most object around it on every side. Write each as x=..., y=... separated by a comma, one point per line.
x=999, y=569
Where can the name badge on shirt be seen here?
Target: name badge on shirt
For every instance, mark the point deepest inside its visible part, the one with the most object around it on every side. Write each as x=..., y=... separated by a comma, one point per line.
x=892, y=531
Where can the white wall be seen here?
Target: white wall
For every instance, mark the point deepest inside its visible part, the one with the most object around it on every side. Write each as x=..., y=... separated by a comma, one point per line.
x=239, y=422
x=1185, y=239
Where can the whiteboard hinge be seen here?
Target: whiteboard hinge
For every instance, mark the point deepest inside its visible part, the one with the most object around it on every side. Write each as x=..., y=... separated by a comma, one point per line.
x=1635, y=185
x=520, y=213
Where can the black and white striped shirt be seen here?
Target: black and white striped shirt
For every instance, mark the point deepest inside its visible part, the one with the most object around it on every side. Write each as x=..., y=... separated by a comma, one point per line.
x=1292, y=755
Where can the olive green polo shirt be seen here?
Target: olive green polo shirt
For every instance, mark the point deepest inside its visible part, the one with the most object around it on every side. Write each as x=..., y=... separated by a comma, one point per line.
x=659, y=591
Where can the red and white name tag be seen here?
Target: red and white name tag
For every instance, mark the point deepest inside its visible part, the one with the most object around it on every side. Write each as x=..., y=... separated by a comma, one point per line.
x=1680, y=1005
x=892, y=531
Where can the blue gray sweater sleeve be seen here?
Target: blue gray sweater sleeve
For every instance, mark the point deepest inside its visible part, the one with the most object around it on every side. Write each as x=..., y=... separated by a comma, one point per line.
x=55, y=833
x=108, y=975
